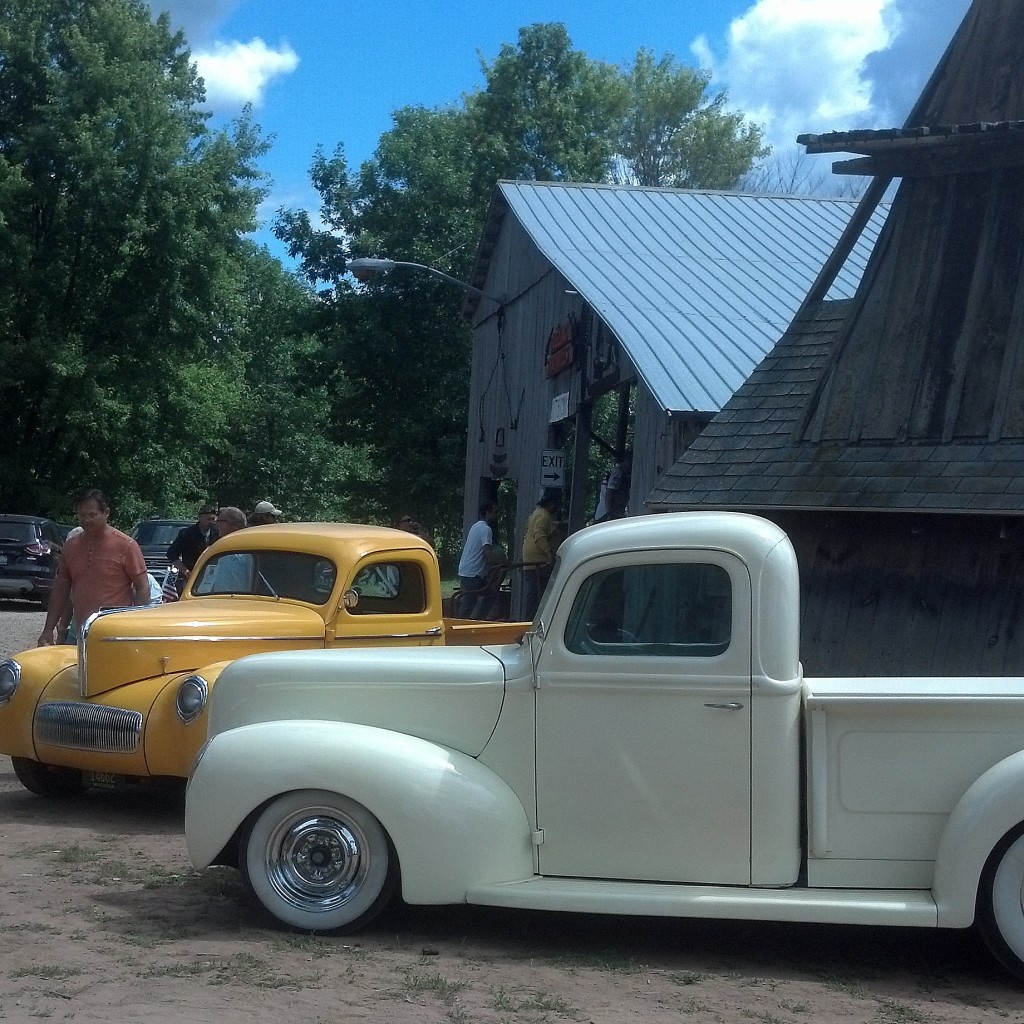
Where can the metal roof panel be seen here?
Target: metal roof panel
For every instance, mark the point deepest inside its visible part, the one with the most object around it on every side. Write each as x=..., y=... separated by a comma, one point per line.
x=697, y=286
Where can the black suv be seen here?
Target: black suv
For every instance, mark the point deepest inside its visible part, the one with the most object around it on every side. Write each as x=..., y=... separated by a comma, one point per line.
x=155, y=536
x=30, y=549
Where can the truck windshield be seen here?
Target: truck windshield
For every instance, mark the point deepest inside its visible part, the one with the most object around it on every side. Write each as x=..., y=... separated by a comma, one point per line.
x=290, y=574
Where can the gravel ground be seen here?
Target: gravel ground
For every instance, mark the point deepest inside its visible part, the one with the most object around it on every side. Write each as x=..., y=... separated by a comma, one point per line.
x=20, y=623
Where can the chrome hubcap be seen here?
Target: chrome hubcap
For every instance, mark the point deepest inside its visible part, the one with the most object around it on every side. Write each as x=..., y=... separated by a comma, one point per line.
x=316, y=861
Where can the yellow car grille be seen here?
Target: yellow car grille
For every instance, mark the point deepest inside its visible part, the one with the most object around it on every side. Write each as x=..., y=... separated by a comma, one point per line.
x=88, y=727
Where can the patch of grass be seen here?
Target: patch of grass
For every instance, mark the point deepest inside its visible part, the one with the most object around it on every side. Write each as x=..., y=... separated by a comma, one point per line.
x=785, y=1004
x=158, y=877
x=30, y=926
x=312, y=946
x=544, y=1002
x=180, y=969
x=133, y=937
x=842, y=983
x=435, y=984
x=891, y=1012
x=240, y=969
x=218, y=881
x=246, y=969
x=51, y=972
x=687, y=977
x=596, y=960
x=694, y=1006
x=501, y=1000
x=78, y=854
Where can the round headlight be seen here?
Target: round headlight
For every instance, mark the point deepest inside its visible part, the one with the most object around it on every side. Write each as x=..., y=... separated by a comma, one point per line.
x=10, y=676
x=191, y=698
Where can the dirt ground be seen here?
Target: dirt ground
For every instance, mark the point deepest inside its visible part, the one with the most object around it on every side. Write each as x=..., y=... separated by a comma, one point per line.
x=102, y=919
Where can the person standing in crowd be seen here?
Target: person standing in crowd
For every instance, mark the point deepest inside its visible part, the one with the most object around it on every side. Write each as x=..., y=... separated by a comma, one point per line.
x=233, y=572
x=264, y=513
x=539, y=543
x=614, y=496
x=100, y=568
x=410, y=525
x=479, y=556
x=191, y=542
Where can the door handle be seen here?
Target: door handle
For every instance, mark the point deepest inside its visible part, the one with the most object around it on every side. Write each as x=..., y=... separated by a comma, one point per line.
x=730, y=706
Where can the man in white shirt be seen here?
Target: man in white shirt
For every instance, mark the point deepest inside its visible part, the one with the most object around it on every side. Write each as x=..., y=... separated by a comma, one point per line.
x=479, y=556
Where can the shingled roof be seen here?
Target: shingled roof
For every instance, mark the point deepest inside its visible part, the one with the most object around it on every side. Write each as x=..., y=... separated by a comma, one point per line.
x=910, y=396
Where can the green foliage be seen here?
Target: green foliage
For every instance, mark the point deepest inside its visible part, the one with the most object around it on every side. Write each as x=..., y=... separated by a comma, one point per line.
x=120, y=222
x=278, y=441
x=674, y=135
x=548, y=112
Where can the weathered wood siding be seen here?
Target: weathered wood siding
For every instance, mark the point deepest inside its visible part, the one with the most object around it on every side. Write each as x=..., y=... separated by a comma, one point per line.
x=886, y=594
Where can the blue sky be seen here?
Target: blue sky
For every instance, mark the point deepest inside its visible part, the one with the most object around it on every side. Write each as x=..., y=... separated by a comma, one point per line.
x=324, y=72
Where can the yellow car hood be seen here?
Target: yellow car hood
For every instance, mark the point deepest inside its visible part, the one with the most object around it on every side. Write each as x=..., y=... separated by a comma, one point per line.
x=125, y=646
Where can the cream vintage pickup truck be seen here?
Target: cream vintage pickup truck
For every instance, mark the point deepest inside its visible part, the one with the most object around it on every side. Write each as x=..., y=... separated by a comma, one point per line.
x=649, y=747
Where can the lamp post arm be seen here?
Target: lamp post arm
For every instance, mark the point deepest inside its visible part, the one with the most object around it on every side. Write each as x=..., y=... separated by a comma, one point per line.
x=365, y=268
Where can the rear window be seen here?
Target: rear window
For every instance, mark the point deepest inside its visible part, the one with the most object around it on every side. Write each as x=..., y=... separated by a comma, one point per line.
x=157, y=533
x=18, y=533
x=389, y=588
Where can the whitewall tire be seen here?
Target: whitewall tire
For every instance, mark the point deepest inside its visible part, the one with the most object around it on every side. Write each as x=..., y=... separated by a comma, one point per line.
x=318, y=861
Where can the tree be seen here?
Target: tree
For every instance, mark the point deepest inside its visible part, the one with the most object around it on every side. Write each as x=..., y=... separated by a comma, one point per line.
x=548, y=112
x=281, y=441
x=120, y=253
x=674, y=135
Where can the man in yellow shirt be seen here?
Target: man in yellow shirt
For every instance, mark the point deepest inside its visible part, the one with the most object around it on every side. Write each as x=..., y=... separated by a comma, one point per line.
x=539, y=550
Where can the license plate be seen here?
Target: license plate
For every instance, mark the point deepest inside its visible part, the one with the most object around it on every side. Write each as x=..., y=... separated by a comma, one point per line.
x=103, y=780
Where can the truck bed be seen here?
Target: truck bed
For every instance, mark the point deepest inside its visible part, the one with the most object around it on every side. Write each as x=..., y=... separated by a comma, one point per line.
x=476, y=633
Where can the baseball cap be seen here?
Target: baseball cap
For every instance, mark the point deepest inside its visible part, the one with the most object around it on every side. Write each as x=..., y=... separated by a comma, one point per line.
x=266, y=508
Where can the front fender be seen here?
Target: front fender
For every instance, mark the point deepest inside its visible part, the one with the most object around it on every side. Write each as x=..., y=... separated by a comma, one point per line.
x=992, y=805
x=171, y=744
x=39, y=667
x=453, y=822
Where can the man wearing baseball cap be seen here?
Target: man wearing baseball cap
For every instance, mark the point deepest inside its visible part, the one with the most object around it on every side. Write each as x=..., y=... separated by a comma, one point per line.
x=264, y=513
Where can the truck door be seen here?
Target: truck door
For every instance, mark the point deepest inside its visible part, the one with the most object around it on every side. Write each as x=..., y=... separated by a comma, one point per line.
x=643, y=721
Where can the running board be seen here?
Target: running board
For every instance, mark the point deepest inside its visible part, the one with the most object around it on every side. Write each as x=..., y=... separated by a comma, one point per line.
x=902, y=907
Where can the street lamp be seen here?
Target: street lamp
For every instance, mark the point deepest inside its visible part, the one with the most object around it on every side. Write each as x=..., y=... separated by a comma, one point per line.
x=366, y=268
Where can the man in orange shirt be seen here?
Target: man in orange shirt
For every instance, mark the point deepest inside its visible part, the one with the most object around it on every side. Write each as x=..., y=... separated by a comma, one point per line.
x=100, y=568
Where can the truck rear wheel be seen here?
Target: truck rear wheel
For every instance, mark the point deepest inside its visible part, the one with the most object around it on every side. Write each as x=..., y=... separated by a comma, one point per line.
x=318, y=861
x=1000, y=916
x=47, y=779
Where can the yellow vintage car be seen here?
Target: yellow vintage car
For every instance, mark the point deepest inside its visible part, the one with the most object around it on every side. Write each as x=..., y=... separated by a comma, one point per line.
x=129, y=703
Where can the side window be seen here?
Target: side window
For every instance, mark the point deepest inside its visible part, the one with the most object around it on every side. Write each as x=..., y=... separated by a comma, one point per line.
x=664, y=611
x=389, y=588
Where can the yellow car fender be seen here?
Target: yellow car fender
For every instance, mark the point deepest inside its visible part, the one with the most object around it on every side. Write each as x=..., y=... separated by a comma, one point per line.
x=40, y=667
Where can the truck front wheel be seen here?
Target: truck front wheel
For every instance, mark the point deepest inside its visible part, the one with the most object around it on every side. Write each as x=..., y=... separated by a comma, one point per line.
x=1000, y=915
x=318, y=861
x=47, y=779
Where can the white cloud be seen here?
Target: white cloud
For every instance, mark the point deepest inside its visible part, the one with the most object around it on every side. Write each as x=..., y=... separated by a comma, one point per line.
x=236, y=73
x=799, y=65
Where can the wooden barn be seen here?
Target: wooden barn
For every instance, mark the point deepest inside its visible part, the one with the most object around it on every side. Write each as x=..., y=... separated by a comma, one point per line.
x=615, y=317
x=885, y=433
